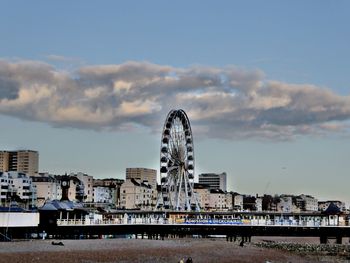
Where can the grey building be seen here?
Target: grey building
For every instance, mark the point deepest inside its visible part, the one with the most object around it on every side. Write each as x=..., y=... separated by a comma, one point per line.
x=214, y=181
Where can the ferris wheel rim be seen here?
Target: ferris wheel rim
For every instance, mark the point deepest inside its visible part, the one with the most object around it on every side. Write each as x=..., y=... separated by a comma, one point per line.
x=165, y=140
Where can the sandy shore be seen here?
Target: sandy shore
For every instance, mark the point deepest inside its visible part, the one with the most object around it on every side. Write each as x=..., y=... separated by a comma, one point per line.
x=137, y=250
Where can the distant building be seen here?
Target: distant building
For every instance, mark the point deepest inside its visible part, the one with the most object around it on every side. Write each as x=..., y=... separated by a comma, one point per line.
x=217, y=200
x=237, y=202
x=87, y=182
x=114, y=184
x=285, y=205
x=103, y=194
x=323, y=205
x=258, y=204
x=18, y=187
x=229, y=200
x=202, y=193
x=4, y=161
x=47, y=188
x=111, y=182
x=135, y=194
x=214, y=181
x=143, y=174
x=23, y=161
x=306, y=202
x=249, y=203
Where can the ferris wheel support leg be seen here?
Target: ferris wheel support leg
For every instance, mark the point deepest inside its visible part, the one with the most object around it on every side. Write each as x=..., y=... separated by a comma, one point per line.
x=195, y=198
x=178, y=188
x=186, y=194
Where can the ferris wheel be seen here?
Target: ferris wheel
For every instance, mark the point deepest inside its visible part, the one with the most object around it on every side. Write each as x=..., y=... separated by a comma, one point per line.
x=177, y=164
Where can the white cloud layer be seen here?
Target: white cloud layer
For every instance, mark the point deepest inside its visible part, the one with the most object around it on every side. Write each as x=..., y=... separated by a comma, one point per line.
x=221, y=102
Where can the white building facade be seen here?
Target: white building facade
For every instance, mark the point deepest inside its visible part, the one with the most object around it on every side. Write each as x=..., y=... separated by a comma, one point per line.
x=103, y=194
x=17, y=186
x=87, y=182
x=47, y=188
x=136, y=195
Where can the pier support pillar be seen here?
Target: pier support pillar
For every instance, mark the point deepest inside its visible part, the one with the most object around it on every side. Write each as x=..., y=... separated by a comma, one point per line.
x=323, y=239
x=339, y=240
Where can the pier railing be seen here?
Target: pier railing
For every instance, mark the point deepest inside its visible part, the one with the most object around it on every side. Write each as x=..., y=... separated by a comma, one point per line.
x=310, y=222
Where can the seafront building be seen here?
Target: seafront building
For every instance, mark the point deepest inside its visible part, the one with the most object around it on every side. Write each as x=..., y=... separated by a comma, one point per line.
x=213, y=180
x=87, y=183
x=237, y=202
x=103, y=194
x=48, y=187
x=20, y=180
x=202, y=194
x=143, y=175
x=23, y=161
x=323, y=205
x=4, y=161
x=136, y=194
x=306, y=202
x=113, y=184
x=17, y=187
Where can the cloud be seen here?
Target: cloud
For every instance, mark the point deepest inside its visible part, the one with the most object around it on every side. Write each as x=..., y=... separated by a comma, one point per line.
x=221, y=102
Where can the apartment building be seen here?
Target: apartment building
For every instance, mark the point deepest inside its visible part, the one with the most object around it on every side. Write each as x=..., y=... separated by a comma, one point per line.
x=103, y=194
x=135, y=194
x=4, y=161
x=237, y=201
x=214, y=181
x=23, y=161
x=217, y=200
x=143, y=174
x=202, y=194
x=114, y=184
x=47, y=188
x=87, y=182
x=323, y=205
x=15, y=186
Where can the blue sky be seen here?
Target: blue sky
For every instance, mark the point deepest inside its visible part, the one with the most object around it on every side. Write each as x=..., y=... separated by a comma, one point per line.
x=297, y=143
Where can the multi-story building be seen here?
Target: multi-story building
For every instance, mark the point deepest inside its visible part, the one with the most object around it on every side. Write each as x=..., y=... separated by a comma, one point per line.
x=47, y=188
x=229, y=200
x=323, y=205
x=24, y=161
x=87, y=182
x=285, y=205
x=143, y=175
x=114, y=184
x=103, y=194
x=6, y=187
x=214, y=181
x=4, y=161
x=258, y=204
x=237, y=201
x=136, y=194
x=18, y=187
x=202, y=194
x=217, y=200
x=306, y=203
x=110, y=182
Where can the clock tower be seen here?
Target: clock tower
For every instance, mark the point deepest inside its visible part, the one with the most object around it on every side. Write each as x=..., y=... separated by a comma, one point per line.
x=65, y=184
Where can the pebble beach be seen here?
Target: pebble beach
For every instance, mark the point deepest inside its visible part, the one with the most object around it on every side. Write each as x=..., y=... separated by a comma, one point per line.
x=144, y=250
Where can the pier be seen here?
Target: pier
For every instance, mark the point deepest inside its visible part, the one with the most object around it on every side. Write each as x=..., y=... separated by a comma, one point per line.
x=167, y=224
